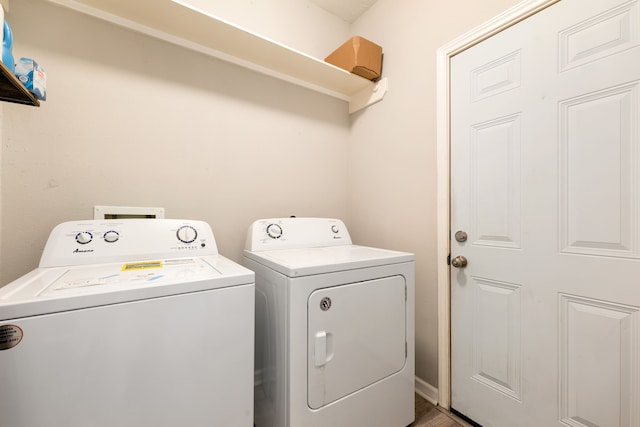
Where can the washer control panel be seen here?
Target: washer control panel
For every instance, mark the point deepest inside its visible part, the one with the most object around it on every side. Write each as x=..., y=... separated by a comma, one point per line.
x=100, y=241
x=291, y=233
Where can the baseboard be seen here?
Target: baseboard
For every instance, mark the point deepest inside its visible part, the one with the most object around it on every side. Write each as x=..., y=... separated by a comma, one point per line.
x=427, y=391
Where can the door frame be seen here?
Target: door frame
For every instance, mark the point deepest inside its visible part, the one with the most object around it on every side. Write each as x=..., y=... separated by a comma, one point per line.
x=511, y=16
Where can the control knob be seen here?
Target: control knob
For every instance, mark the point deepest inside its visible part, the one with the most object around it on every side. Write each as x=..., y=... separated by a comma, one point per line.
x=187, y=234
x=84, y=237
x=274, y=231
x=111, y=236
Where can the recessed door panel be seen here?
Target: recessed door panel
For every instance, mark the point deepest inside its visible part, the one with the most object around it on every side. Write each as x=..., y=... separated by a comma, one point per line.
x=356, y=337
x=598, y=199
x=610, y=367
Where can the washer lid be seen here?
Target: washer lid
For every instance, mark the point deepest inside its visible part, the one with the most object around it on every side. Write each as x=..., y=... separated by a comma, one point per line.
x=310, y=261
x=101, y=278
x=49, y=290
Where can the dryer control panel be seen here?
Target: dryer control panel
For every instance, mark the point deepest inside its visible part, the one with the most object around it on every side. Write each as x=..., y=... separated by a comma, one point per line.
x=101, y=241
x=293, y=233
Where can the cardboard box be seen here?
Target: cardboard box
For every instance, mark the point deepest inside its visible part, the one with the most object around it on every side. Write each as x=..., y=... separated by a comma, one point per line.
x=359, y=56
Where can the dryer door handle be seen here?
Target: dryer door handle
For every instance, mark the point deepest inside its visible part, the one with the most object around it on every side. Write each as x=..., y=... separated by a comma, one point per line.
x=323, y=350
x=320, y=348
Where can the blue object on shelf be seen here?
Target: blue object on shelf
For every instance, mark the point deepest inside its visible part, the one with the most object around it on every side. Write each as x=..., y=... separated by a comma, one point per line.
x=7, y=48
x=33, y=77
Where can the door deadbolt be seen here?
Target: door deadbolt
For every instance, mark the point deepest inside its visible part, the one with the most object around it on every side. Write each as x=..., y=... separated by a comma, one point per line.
x=459, y=262
x=461, y=236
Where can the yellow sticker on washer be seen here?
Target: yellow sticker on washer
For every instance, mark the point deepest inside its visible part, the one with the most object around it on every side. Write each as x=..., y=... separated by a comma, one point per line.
x=142, y=265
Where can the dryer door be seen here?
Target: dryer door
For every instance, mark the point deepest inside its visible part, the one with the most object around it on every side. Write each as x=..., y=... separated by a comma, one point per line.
x=356, y=337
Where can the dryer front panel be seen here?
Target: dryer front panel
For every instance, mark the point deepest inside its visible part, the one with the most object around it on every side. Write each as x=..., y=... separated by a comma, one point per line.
x=356, y=336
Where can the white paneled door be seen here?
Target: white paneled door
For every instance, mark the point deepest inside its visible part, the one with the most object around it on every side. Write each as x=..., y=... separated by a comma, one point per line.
x=545, y=182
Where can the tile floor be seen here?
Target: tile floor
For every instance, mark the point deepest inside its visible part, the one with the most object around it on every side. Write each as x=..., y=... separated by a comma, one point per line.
x=428, y=415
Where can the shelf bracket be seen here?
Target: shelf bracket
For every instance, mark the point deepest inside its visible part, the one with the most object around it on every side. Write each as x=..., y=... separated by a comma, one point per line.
x=369, y=95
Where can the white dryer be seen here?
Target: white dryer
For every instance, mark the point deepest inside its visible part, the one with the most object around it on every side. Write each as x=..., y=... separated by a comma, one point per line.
x=334, y=327
x=128, y=323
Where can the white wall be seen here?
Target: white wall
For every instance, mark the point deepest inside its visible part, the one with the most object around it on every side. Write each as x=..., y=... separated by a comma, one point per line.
x=392, y=169
x=134, y=121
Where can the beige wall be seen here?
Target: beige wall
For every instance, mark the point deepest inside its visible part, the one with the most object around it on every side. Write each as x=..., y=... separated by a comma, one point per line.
x=135, y=121
x=392, y=160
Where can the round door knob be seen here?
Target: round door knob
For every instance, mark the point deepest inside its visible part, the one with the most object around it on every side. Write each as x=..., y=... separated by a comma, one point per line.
x=461, y=236
x=459, y=262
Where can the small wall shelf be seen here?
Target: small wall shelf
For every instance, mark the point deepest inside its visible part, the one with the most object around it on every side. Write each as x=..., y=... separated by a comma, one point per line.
x=11, y=90
x=177, y=22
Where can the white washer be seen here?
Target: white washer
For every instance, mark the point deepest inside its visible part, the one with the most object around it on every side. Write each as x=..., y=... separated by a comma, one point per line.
x=128, y=323
x=334, y=327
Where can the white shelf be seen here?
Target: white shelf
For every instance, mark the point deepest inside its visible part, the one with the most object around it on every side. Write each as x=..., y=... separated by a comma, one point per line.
x=177, y=22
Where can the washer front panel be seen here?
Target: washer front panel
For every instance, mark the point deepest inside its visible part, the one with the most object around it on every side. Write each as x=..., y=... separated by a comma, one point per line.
x=163, y=362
